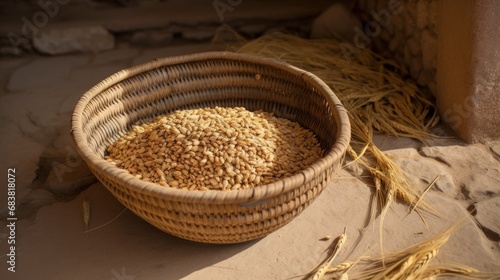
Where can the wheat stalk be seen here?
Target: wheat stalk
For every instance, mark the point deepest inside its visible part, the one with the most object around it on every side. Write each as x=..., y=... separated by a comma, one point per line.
x=107, y=223
x=459, y=270
x=409, y=263
x=322, y=269
x=86, y=213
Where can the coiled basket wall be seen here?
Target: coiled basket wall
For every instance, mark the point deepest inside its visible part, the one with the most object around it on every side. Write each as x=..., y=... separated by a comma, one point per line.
x=139, y=94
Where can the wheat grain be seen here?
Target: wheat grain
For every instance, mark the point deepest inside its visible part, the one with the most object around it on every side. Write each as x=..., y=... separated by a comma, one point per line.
x=225, y=149
x=341, y=267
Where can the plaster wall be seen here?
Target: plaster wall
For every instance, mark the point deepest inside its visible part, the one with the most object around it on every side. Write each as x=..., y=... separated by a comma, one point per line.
x=468, y=64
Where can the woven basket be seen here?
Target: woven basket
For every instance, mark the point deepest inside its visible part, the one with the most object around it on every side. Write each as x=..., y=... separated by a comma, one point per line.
x=138, y=94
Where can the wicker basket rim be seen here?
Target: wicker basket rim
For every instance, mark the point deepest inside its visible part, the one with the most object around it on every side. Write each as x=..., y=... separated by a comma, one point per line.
x=244, y=197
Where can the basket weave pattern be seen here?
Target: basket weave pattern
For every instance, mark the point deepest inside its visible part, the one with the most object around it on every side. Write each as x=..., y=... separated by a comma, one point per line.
x=141, y=93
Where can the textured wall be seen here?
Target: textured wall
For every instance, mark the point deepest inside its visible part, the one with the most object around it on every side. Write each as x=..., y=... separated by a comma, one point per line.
x=409, y=37
x=469, y=68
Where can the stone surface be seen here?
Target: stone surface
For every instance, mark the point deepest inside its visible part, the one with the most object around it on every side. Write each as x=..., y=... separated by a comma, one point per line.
x=199, y=33
x=407, y=56
x=495, y=148
x=422, y=14
x=336, y=22
x=424, y=78
x=410, y=24
x=152, y=37
x=36, y=71
x=69, y=175
x=433, y=14
x=116, y=55
x=415, y=48
x=429, y=47
x=147, y=55
x=7, y=66
x=478, y=177
x=487, y=216
x=415, y=66
x=161, y=14
x=253, y=28
x=73, y=39
x=93, y=74
x=19, y=152
x=393, y=44
x=421, y=172
x=469, y=237
x=66, y=173
x=9, y=50
x=432, y=86
x=36, y=199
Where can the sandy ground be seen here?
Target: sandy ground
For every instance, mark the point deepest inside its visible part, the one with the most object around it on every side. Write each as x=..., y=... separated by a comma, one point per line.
x=37, y=96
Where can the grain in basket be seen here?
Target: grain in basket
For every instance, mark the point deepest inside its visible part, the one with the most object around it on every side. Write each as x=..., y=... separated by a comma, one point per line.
x=215, y=149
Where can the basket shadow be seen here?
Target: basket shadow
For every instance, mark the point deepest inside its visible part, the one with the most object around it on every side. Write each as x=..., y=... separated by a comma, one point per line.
x=161, y=255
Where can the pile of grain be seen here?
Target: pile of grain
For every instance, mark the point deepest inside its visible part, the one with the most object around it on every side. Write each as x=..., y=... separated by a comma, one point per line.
x=215, y=149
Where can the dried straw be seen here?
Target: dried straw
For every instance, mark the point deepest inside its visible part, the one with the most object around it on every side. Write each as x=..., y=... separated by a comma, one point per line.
x=425, y=191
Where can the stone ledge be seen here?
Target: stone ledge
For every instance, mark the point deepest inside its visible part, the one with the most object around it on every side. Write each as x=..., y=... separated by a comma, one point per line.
x=184, y=16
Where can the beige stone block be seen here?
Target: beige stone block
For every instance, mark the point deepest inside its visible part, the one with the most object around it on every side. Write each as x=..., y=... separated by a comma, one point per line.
x=423, y=78
x=398, y=22
x=61, y=40
x=432, y=87
x=414, y=44
x=371, y=5
x=407, y=55
x=336, y=21
x=410, y=26
x=429, y=49
x=394, y=44
x=433, y=14
x=422, y=14
x=415, y=66
x=385, y=35
x=410, y=9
